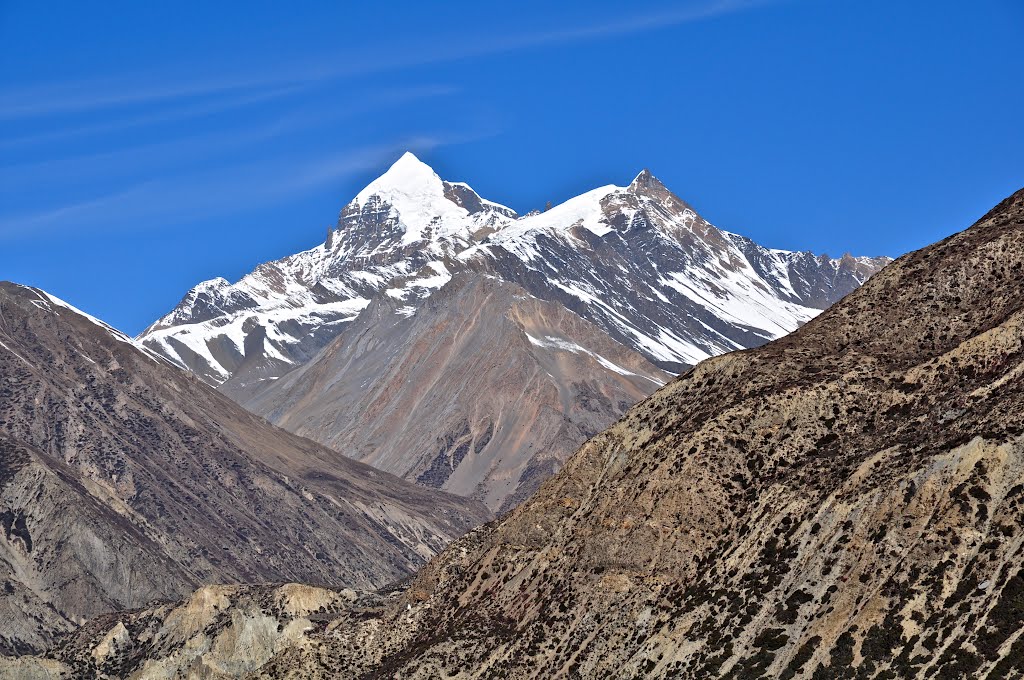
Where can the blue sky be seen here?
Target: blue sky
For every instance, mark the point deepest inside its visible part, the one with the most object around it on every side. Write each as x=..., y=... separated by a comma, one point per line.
x=147, y=146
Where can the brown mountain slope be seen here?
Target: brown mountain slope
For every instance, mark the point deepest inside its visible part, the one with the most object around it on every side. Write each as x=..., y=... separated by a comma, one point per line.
x=123, y=479
x=845, y=502
x=483, y=391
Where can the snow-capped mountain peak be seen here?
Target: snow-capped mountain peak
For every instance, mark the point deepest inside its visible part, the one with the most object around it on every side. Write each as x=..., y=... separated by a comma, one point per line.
x=604, y=209
x=410, y=205
x=407, y=177
x=394, y=235
x=646, y=185
x=206, y=300
x=636, y=260
x=411, y=194
x=580, y=211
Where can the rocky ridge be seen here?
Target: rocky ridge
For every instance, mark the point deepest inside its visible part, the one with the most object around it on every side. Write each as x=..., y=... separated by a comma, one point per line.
x=845, y=502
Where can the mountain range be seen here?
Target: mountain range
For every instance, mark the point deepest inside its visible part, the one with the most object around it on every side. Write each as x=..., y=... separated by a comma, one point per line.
x=636, y=260
x=441, y=337
x=844, y=502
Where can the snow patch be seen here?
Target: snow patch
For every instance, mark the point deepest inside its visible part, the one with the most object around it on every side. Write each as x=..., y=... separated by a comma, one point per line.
x=552, y=342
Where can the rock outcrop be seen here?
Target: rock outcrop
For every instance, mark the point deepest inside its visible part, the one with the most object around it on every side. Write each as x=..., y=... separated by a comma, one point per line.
x=219, y=632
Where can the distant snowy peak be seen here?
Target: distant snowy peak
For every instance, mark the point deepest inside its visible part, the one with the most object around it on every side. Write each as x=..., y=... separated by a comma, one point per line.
x=412, y=184
x=407, y=175
x=411, y=205
x=206, y=300
x=393, y=236
x=646, y=184
x=639, y=262
x=413, y=191
x=643, y=203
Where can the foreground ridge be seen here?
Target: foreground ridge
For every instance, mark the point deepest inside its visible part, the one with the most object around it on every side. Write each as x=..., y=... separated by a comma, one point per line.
x=845, y=502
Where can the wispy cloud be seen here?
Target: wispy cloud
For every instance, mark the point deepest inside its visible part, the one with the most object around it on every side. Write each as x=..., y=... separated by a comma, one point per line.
x=207, y=146
x=623, y=25
x=82, y=96
x=175, y=114
x=72, y=213
x=65, y=98
x=228, y=190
